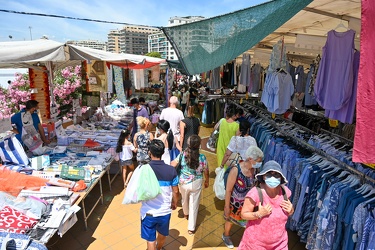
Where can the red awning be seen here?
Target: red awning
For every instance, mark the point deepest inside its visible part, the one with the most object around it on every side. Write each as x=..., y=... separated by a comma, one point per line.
x=126, y=65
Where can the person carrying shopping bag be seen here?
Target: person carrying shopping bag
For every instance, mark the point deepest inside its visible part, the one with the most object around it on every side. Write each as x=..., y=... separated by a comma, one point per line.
x=240, y=180
x=193, y=167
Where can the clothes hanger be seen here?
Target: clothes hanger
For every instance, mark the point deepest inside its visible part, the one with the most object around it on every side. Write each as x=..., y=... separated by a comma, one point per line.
x=372, y=200
x=341, y=25
x=348, y=180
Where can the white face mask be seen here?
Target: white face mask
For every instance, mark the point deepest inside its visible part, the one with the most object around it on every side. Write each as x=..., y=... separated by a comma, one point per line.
x=257, y=165
x=273, y=182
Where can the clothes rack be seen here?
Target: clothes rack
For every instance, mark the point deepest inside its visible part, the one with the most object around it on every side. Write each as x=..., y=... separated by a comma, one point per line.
x=338, y=136
x=299, y=142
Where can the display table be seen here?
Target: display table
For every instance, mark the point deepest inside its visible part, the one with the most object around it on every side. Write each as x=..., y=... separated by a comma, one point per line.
x=93, y=183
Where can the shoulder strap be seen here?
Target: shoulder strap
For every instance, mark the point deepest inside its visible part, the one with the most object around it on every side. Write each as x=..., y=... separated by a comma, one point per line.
x=260, y=195
x=284, y=193
x=238, y=169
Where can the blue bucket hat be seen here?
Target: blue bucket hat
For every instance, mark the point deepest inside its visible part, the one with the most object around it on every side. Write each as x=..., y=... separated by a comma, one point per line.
x=271, y=166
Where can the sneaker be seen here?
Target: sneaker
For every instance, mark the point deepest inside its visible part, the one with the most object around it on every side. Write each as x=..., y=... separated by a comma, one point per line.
x=227, y=241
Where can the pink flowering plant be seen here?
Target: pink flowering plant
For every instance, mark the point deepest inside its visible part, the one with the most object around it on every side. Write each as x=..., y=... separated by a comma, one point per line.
x=14, y=98
x=68, y=86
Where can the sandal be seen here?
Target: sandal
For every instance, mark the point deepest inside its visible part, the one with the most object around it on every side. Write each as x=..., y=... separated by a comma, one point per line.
x=191, y=233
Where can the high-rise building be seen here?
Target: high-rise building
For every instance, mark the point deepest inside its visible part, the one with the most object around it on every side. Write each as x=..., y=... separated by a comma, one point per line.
x=131, y=39
x=114, y=41
x=158, y=42
x=94, y=44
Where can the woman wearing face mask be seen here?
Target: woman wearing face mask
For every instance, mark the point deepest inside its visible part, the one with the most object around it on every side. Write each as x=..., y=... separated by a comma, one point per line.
x=240, y=180
x=239, y=143
x=265, y=228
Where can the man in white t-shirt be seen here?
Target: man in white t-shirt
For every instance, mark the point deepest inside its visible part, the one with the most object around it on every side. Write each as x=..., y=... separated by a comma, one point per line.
x=173, y=116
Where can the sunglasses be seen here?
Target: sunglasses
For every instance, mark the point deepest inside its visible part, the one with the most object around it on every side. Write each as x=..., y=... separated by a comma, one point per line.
x=274, y=174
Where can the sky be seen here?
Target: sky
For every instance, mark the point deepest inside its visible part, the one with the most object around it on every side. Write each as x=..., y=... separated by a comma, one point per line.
x=17, y=27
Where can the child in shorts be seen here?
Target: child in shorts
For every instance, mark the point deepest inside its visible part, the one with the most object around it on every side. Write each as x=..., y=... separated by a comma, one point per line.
x=125, y=149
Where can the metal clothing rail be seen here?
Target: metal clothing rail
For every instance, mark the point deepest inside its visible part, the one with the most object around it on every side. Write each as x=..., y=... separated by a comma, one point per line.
x=300, y=142
x=338, y=136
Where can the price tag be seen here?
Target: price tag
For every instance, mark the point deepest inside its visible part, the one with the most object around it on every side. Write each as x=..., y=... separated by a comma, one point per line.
x=371, y=165
x=333, y=123
x=241, y=101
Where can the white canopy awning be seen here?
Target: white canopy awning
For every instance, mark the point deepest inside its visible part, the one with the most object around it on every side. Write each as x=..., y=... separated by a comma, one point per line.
x=29, y=54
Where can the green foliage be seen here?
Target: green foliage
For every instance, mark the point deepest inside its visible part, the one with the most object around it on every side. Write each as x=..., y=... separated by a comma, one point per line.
x=154, y=54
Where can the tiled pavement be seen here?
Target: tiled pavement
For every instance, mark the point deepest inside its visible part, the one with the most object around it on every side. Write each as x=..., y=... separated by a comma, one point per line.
x=117, y=226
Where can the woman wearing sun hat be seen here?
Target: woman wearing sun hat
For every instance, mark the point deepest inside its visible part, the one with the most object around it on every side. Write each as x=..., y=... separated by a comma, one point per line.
x=265, y=228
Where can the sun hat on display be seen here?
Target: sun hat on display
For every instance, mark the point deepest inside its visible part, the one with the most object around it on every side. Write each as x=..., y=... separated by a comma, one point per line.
x=271, y=166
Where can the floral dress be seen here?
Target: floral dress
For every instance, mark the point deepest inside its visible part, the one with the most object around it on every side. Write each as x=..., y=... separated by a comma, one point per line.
x=143, y=140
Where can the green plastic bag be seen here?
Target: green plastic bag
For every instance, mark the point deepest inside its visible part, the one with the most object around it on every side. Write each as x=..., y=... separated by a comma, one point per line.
x=142, y=186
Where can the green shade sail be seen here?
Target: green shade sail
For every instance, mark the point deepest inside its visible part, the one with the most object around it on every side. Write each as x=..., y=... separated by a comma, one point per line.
x=207, y=44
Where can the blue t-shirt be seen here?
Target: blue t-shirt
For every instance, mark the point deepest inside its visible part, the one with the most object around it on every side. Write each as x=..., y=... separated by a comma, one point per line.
x=161, y=204
x=17, y=120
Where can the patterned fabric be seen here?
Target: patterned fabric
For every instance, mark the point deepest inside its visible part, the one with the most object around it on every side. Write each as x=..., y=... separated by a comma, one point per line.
x=325, y=236
x=278, y=56
x=359, y=220
x=11, y=151
x=311, y=204
x=188, y=174
x=143, y=141
x=368, y=237
x=331, y=199
x=119, y=84
x=313, y=75
x=14, y=221
x=241, y=187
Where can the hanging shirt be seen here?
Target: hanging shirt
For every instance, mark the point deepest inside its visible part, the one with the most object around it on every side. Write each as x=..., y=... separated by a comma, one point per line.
x=277, y=92
x=334, y=82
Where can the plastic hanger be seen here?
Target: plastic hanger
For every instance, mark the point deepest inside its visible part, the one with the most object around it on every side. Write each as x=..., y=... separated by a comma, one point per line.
x=370, y=193
x=343, y=174
x=354, y=182
x=348, y=179
x=341, y=25
x=363, y=189
x=370, y=201
x=332, y=171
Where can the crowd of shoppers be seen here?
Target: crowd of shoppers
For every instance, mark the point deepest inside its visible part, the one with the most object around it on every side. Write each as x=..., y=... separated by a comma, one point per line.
x=182, y=172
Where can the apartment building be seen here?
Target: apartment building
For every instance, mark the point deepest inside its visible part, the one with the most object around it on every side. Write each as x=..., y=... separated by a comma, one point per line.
x=158, y=42
x=94, y=44
x=130, y=39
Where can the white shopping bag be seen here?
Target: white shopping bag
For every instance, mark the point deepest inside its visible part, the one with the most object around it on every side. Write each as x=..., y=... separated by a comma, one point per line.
x=219, y=188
